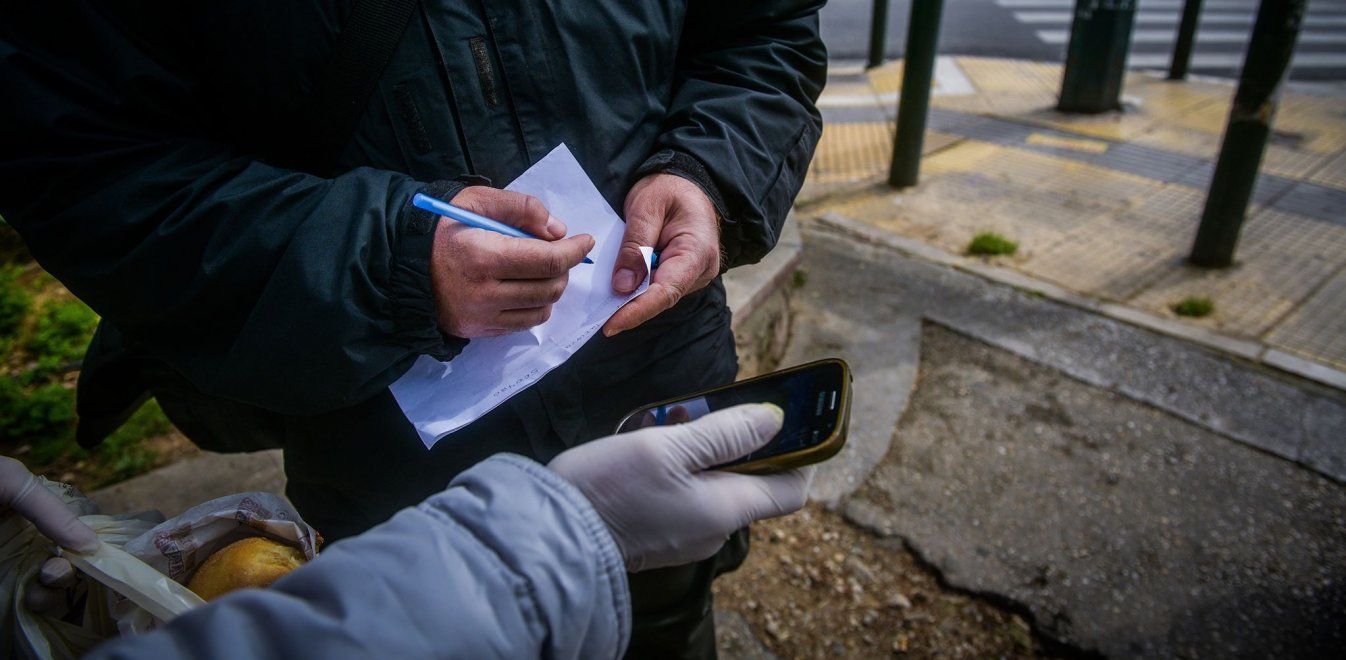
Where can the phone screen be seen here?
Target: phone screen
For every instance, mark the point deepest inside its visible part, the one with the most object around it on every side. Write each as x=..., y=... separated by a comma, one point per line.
x=811, y=399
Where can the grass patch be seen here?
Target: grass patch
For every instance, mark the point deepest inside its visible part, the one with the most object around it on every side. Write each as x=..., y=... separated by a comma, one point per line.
x=989, y=243
x=61, y=335
x=1194, y=306
x=799, y=277
x=15, y=300
x=44, y=333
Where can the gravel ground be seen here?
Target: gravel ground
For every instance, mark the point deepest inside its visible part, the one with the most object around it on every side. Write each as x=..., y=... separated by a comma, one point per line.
x=815, y=586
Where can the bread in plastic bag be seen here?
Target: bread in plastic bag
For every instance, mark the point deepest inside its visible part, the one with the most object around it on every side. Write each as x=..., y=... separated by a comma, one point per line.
x=135, y=578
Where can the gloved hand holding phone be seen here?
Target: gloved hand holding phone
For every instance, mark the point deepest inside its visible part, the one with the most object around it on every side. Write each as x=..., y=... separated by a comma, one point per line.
x=662, y=503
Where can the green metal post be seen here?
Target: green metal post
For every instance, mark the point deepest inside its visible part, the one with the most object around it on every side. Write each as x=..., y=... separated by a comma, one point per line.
x=1100, y=37
x=1182, y=48
x=878, y=33
x=1245, y=138
x=918, y=74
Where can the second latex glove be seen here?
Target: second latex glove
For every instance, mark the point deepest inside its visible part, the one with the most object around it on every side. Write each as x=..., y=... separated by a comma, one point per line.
x=25, y=495
x=662, y=504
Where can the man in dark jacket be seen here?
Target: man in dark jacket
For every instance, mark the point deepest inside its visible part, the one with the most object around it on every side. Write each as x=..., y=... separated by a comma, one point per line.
x=160, y=160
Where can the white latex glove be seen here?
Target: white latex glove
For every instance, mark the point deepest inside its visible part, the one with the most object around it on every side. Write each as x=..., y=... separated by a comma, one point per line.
x=22, y=493
x=661, y=503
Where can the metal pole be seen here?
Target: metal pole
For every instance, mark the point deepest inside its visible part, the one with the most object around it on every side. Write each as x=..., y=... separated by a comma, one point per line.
x=1182, y=49
x=1245, y=138
x=1100, y=37
x=878, y=33
x=918, y=73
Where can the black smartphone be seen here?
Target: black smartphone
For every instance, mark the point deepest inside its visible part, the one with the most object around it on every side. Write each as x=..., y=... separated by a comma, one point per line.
x=816, y=398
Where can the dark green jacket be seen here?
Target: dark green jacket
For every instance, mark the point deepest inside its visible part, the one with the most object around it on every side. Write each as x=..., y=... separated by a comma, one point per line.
x=146, y=153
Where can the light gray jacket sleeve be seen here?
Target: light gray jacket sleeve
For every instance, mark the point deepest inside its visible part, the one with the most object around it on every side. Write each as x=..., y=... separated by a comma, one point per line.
x=510, y=561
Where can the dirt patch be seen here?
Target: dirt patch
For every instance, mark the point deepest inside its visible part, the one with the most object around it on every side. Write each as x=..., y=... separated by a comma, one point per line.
x=91, y=472
x=816, y=586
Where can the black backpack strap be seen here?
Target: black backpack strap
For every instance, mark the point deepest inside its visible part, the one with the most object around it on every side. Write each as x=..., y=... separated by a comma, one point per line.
x=362, y=51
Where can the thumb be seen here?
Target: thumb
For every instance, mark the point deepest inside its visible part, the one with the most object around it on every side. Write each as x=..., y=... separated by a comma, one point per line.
x=725, y=435
x=642, y=230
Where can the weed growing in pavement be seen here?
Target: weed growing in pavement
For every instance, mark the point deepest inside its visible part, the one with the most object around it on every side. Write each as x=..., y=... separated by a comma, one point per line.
x=1194, y=306
x=799, y=277
x=989, y=243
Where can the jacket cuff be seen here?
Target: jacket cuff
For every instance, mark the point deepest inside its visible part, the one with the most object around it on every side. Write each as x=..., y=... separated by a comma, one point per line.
x=688, y=167
x=413, y=297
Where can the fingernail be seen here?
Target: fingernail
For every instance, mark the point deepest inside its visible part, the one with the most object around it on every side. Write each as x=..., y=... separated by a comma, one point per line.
x=556, y=228
x=625, y=280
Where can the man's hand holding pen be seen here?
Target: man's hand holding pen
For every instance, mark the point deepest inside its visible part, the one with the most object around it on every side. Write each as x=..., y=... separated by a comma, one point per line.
x=486, y=284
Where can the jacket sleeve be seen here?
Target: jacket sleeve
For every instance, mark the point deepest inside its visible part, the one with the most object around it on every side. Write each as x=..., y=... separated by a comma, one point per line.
x=510, y=561
x=742, y=123
x=258, y=283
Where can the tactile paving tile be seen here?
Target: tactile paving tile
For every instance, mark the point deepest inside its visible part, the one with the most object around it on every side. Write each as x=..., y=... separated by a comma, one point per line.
x=1317, y=330
x=1115, y=256
x=1034, y=220
x=1317, y=119
x=1332, y=173
x=1281, y=259
x=1197, y=144
x=857, y=152
x=945, y=209
x=1298, y=164
x=1310, y=199
x=851, y=152
x=1162, y=99
x=886, y=78
x=1092, y=185
x=1006, y=86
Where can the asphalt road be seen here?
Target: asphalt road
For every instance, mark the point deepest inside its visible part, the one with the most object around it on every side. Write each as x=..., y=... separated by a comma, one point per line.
x=1040, y=30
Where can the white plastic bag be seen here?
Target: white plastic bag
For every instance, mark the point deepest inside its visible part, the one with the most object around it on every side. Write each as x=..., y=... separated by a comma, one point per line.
x=136, y=576
x=23, y=550
x=176, y=547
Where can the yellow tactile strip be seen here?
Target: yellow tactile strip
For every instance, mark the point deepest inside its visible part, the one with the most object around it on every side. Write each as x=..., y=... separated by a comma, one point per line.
x=859, y=152
x=852, y=152
x=1332, y=173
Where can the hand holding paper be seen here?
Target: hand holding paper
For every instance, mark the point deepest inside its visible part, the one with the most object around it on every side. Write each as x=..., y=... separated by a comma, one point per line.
x=673, y=215
x=441, y=397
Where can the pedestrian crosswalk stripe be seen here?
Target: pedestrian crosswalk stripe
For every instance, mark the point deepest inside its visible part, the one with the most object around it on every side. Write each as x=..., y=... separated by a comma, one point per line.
x=1172, y=18
x=1061, y=37
x=1235, y=60
x=1216, y=5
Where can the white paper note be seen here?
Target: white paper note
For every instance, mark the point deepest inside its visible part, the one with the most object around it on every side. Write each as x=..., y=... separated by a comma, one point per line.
x=442, y=397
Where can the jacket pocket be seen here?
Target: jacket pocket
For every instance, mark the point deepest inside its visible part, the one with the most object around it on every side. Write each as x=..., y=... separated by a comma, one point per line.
x=423, y=117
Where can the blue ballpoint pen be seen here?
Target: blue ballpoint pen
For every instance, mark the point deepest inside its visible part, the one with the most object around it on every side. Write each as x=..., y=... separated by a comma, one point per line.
x=441, y=207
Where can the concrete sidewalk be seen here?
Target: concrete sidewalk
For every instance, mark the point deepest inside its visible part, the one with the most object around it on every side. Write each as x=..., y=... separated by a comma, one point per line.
x=1104, y=208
